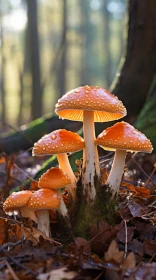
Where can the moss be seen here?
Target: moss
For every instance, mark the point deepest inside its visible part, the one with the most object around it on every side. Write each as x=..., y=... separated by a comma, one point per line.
x=85, y=216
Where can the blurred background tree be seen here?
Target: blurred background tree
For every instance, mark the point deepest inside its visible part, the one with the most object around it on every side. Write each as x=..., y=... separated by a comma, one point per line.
x=50, y=47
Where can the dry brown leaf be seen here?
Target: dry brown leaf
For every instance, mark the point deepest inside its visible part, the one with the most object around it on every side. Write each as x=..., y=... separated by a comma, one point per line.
x=113, y=254
x=129, y=262
x=128, y=186
x=34, y=234
x=149, y=247
x=122, y=233
x=142, y=192
x=83, y=245
x=2, y=231
x=136, y=246
x=102, y=235
x=135, y=209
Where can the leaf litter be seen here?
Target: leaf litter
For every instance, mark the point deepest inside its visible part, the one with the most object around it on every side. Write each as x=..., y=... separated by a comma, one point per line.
x=126, y=250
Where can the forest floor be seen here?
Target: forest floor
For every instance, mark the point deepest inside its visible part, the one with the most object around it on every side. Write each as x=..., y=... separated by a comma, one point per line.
x=126, y=250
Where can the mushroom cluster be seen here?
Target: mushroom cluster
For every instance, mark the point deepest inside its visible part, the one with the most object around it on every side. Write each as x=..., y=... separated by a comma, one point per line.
x=88, y=104
x=36, y=205
x=33, y=205
x=60, y=142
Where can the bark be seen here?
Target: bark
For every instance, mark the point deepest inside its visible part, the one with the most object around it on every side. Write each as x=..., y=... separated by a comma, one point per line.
x=146, y=121
x=33, y=40
x=139, y=65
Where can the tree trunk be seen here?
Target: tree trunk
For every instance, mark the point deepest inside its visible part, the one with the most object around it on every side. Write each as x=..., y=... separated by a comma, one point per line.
x=139, y=65
x=62, y=64
x=146, y=121
x=107, y=52
x=33, y=43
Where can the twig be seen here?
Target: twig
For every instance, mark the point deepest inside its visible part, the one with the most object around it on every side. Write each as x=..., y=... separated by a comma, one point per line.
x=125, y=253
x=4, y=174
x=21, y=265
x=11, y=244
x=143, y=171
x=149, y=178
x=97, y=277
x=24, y=172
x=11, y=270
x=96, y=236
x=18, y=263
x=18, y=131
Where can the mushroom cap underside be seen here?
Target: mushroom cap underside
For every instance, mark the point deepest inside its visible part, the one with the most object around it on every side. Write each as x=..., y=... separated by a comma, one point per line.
x=106, y=106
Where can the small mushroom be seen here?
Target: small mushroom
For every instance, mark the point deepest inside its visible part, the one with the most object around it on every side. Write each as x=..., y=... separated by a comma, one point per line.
x=55, y=178
x=121, y=137
x=18, y=201
x=61, y=142
x=42, y=201
x=90, y=104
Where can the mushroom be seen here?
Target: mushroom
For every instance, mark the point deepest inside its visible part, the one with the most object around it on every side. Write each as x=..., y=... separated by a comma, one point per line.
x=55, y=178
x=120, y=138
x=18, y=201
x=61, y=142
x=90, y=104
x=42, y=201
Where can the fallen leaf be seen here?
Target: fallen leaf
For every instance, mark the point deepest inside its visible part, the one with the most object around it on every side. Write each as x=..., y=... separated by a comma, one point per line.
x=149, y=247
x=145, y=229
x=33, y=234
x=129, y=262
x=102, y=236
x=136, y=247
x=122, y=233
x=58, y=274
x=113, y=254
x=2, y=231
x=143, y=192
x=128, y=186
x=146, y=271
x=135, y=209
x=83, y=245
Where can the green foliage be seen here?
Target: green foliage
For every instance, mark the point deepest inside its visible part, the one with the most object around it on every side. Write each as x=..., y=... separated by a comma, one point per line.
x=146, y=121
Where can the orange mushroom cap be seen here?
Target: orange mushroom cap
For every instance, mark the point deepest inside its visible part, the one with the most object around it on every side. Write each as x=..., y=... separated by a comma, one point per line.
x=54, y=178
x=124, y=136
x=106, y=106
x=57, y=142
x=44, y=199
x=16, y=200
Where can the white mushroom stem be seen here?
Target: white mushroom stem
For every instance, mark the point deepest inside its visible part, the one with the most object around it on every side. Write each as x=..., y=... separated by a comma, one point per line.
x=115, y=176
x=43, y=222
x=91, y=166
x=62, y=209
x=64, y=164
x=28, y=213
